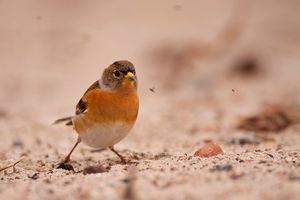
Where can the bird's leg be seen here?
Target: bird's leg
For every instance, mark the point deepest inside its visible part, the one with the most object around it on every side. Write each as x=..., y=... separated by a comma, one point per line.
x=123, y=161
x=67, y=159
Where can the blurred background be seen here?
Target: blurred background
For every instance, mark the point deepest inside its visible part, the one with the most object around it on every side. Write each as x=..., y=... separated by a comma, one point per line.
x=206, y=62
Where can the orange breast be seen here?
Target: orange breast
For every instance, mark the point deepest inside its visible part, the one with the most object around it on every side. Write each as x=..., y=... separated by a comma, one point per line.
x=108, y=107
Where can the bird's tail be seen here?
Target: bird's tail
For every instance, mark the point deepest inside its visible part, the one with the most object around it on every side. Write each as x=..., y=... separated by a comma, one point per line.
x=68, y=121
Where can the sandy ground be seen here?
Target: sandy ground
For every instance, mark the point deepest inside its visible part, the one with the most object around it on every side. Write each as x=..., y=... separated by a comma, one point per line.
x=194, y=55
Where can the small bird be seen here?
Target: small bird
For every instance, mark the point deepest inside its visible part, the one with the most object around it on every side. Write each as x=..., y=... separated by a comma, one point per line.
x=108, y=109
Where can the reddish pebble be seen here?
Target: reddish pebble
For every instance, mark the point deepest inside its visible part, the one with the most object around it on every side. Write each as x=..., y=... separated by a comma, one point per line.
x=209, y=150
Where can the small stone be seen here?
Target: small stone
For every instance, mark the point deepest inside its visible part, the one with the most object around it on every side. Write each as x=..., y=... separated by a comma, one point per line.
x=34, y=176
x=294, y=178
x=66, y=166
x=209, y=150
x=226, y=167
x=95, y=169
x=18, y=143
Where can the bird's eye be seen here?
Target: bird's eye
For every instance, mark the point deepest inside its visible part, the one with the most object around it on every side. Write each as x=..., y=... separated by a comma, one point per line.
x=117, y=73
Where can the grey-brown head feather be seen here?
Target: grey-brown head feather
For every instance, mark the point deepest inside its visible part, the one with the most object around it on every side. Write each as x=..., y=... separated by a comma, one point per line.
x=113, y=76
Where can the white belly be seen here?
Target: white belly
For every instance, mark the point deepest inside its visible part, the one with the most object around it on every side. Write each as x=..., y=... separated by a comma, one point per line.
x=102, y=136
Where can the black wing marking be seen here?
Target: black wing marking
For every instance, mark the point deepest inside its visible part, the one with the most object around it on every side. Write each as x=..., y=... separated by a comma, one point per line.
x=82, y=105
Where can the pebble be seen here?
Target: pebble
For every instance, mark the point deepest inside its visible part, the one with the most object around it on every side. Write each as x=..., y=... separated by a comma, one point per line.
x=209, y=150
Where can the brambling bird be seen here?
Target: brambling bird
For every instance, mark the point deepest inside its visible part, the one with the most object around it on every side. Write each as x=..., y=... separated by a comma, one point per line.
x=108, y=109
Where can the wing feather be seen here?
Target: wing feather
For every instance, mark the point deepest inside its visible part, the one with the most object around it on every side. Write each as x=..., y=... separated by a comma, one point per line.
x=82, y=105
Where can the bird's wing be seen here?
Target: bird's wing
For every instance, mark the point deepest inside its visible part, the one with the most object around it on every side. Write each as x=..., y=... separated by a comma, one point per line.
x=82, y=105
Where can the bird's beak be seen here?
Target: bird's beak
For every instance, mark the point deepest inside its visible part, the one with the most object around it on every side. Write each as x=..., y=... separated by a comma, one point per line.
x=130, y=76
